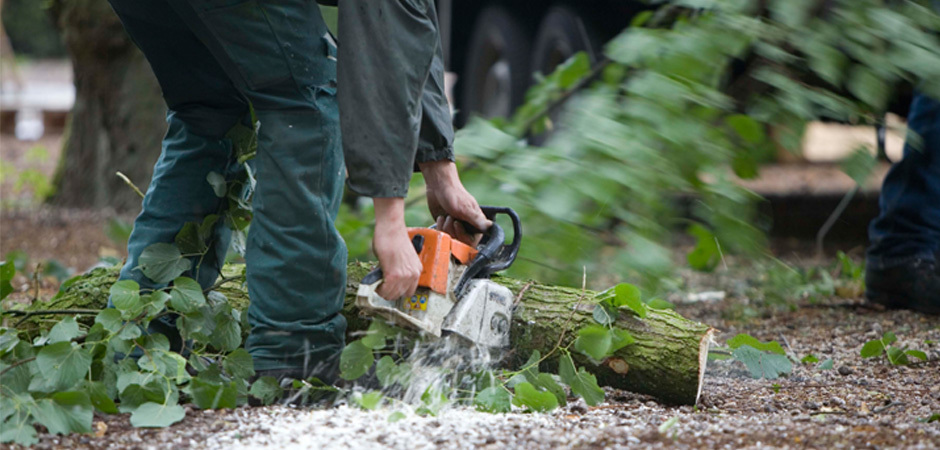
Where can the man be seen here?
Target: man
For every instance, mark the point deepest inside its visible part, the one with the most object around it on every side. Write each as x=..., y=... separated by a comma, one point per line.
x=214, y=58
x=902, y=267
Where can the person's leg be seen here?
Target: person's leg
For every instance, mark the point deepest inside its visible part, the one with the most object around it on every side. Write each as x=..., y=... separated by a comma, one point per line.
x=203, y=105
x=902, y=269
x=278, y=52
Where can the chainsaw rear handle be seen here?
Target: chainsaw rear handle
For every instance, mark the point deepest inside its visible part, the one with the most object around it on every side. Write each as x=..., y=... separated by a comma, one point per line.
x=493, y=252
x=499, y=255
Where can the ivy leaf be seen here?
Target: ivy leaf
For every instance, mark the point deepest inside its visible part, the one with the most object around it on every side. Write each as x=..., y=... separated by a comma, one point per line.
x=163, y=262
x=7, y=271
x=377, y=334
x=99, y=397
x=494, y=399
x=580, y=381
x=547, y=383
x=763, y=364
x=706, y=254
x=64, y=331
x=628, y=295
x=658, y=303
x=65, y=412
x=209, y=394
x=63, y=364
x=217, y=181
x=897, y=357
x=186, y=295
x=604, y=314
x=125, y=295
x=872, y=349
x=917, y=354
x=810, y=358
x=368, y=401
x=594, y=341
x=19, y=432
x=239, y=364
x=746, y=339
x=266, y=389
x=747, y=128
x=529, y=397
x=155, y=415
x=355, y=360
x=385, y=371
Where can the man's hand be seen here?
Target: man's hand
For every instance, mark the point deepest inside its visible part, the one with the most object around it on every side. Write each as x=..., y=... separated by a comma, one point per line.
x=400, y=264
x=450, y=202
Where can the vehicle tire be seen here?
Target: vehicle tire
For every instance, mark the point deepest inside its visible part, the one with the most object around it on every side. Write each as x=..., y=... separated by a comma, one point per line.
x=496, y=73
x=561, y=34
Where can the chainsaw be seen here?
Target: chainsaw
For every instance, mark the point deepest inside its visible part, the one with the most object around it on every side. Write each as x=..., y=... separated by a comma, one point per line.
x=455, y=295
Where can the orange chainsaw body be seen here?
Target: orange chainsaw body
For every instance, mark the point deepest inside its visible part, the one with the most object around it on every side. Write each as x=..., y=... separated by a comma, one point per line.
x=435, y=256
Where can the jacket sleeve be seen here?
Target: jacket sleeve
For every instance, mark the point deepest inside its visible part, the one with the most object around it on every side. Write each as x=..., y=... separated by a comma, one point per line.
x=391, y=101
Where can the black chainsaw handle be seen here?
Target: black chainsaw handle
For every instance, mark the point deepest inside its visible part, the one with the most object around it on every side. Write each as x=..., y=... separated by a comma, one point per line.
x=499, y=255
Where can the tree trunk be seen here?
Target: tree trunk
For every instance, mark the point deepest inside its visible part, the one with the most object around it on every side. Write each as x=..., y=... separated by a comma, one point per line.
x=667, y=361
x=118, y=119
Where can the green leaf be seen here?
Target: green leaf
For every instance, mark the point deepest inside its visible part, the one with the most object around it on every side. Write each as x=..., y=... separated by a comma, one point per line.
x=604, y=314
x=188, y=239
x=897, y=357
x=368, y=400
x=747, y=128
x=377, y=334
x=227, y=333
x=872, y=349
x=19, y=432
x=266, y=389
x=7, y=271
x=63, y=364
x=494, y=399
x=186, y=295
x=809, y=359
x=100, y=399
x=763, y=364
x=386, y=371
x=155, y=415
x=355, y=360
x=619, y=338
x=580, y=381
x=628, y=295
x=125, y=295
x=859, y=165
x=396, y=416
x=529, y=397
x=917, y=354
x=935, y=417
x=217, y=181
x=746, y=339
x=163, y=262
x=594, y=341
x=706, y=255
x=239, y=364
x=64, y=331
x=826, y=365
x=209, y=394
x=668, y=424
x=658, y=303
x=546, y=382
x=110, y=319
x=66, y=412
x=868, y=87
x=889, y=338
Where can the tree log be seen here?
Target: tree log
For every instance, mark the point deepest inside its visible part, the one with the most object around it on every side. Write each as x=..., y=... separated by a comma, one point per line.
x=667, y=361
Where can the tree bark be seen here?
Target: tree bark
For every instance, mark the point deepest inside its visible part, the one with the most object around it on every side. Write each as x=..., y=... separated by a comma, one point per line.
x=667, y=361
x=118, y=120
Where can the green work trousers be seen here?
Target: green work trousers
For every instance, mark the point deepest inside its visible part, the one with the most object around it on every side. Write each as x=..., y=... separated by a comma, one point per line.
x=213, y=58
x=393, y=111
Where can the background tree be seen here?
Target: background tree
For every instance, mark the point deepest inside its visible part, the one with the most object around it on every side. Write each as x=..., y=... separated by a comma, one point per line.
x=117, y=122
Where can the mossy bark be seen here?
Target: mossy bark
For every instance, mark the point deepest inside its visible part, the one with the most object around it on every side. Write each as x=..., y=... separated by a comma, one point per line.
x=667, y=360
